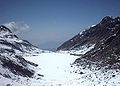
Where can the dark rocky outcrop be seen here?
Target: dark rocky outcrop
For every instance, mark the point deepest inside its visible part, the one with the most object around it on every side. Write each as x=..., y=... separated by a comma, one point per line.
x=106, y=37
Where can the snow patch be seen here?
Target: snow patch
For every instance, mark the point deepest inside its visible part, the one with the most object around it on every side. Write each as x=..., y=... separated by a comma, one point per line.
x=83, y=49
x=93, y=25
x=79, y=51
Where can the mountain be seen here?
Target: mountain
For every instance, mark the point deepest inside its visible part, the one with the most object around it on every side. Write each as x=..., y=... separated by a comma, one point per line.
x=102, y=42
x=88, y=60
x=12, y=48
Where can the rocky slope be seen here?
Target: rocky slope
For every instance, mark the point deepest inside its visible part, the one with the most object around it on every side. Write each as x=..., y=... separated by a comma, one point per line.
x=105, y=36
x=11, y=50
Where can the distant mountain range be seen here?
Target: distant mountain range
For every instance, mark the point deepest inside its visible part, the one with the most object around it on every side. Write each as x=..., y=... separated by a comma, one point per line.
x=105, y=36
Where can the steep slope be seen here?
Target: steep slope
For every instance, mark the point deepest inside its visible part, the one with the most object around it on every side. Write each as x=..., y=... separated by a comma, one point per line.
x=11, y=50
x=13, y=43
x=105, y=37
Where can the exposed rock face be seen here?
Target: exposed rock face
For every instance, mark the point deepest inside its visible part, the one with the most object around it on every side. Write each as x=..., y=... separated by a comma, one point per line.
x=105, y=36
x=11, y=51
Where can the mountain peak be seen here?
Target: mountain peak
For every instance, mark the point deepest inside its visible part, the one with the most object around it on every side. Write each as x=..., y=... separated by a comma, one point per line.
x=107, y=18
x=110, y=19
x=4, y=29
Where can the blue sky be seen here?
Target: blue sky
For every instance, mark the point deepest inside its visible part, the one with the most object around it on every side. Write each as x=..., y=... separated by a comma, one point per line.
x=52, y=22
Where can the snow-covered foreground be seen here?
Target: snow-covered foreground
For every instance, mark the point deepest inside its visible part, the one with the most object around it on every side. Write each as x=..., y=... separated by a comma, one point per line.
x=54, y=69
x=57, y=71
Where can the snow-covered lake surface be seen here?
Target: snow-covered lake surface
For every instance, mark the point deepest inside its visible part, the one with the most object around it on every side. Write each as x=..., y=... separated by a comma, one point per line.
x=56, y=67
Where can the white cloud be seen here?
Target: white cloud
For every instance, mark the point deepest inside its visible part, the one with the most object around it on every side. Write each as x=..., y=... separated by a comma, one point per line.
x=17, y=27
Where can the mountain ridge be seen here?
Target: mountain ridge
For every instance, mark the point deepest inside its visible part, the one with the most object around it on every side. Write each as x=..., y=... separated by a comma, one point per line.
x=11, y=50
x=106, y=38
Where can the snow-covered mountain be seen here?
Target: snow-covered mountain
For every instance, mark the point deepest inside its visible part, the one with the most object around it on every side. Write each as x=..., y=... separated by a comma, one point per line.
x=10, y=42
x=12, y=49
